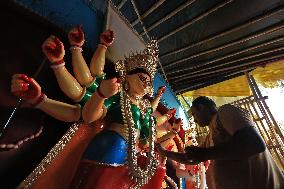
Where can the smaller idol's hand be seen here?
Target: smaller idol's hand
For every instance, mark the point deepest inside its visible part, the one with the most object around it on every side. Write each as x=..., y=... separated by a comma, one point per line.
x=207, y=164
x=107, y=38
x=53, y=49
x=161, y=90
x=171, y=113
x=25, y=88
x=178, y=123
x=76, y=36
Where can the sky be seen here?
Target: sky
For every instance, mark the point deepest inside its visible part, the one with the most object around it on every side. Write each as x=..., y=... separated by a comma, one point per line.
x=275, y=102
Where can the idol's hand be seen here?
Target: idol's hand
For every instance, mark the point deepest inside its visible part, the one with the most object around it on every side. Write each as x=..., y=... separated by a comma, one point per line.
x=25, y=88
x=178, y=123
x=207, y=164
x=109, y=87
x=76, y=36
x=53, y=49
x=161, y=90
x=171, y=113
x=107, y=38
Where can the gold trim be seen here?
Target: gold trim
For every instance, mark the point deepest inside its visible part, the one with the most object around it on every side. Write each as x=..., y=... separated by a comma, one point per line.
x=41, y=168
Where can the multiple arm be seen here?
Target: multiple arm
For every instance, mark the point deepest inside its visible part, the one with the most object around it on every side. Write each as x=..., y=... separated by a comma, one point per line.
x=80, y=68
x=98, y=60
x=54, y=50
x=171, y=134
x=73, y=86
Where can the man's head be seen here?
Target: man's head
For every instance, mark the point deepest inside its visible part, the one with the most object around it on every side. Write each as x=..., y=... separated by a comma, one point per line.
x=202, y=110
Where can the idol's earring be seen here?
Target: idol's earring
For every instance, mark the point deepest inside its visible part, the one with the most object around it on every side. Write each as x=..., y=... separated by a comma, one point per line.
x=126, y=86
x=151, y=91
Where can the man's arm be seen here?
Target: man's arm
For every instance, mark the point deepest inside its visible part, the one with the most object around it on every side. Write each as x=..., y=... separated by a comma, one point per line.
x=244, y=143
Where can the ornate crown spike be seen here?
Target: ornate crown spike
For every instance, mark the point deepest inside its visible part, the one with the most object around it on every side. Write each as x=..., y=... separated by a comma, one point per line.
x=146, y=60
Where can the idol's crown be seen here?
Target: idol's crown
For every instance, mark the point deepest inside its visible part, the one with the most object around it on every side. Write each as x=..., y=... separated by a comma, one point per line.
x=146, y=60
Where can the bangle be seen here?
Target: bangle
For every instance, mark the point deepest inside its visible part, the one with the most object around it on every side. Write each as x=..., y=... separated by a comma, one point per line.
x=59, y=62
x=100, y=94
x=40, y=100
x=102, y=45
x=55, y=66
x=75, y=47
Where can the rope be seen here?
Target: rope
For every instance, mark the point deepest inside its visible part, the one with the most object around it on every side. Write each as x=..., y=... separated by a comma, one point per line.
x=15, y=145
x=20, y=101
x=146, y=33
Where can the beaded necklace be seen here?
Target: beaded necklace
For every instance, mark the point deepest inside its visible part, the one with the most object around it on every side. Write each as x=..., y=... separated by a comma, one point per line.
x=138, y=175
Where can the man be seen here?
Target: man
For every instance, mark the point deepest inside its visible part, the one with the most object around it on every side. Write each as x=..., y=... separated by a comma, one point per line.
x=238, y=154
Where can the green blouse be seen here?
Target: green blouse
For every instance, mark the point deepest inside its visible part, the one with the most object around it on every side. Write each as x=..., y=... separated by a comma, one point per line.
x=114, y=114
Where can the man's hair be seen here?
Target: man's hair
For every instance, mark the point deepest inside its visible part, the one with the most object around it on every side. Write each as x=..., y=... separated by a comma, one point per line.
x=204, y=101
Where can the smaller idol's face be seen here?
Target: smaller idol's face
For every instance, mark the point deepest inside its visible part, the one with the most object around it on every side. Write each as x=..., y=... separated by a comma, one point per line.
x=140, y=83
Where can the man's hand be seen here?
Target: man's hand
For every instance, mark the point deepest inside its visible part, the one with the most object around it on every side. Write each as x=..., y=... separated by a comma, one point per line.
x=196, y=154
x=177, y=156
x=160, y=149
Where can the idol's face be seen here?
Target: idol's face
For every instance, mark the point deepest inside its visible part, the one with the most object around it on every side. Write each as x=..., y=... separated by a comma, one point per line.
x=139, y=83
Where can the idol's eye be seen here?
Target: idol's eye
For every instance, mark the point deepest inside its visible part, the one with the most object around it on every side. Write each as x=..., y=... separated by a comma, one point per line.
x=144, y=80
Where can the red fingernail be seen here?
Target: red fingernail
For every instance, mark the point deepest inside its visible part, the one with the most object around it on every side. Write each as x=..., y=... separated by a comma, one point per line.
x=118, y=80
x=56, y=40
x=80, y=27
x=25, y=84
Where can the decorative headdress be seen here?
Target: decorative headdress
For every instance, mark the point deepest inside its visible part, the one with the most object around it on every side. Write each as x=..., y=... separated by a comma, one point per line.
x=146, y=60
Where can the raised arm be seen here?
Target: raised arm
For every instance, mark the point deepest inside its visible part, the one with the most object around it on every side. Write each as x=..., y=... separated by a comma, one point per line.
x=30, y=91
x=80, y=68
x=156, y=100
x=54, y=50
x=98, y=60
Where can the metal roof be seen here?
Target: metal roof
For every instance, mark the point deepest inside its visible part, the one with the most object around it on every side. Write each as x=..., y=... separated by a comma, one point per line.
x=203, y=42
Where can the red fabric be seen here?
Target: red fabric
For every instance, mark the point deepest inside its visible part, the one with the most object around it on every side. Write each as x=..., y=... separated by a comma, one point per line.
x=59, y=173
x=92, y=176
